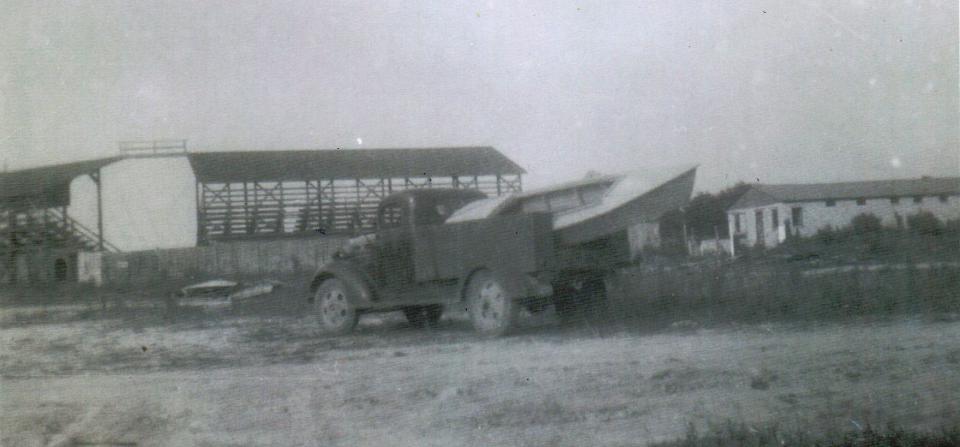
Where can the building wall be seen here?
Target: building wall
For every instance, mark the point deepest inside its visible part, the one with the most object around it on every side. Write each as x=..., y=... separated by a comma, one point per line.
x=714, y=247
x=817, y=215
x=41, y=266
x=148, y=203
x=90, y=267
x=748, y=224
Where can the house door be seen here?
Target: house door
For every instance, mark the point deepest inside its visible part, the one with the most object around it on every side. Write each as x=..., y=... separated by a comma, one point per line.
x=760, y=232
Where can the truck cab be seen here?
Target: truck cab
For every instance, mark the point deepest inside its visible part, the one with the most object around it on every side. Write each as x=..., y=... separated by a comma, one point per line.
x=398, y=218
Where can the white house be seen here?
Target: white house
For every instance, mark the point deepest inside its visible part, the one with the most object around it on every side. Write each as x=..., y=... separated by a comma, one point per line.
x=765, y=214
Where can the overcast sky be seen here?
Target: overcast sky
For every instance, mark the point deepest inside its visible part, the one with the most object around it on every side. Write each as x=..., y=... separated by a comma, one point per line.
x=791, y=91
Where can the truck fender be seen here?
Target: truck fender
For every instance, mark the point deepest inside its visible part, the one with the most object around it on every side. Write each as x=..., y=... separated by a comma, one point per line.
x=356, y=282
x=514, y=283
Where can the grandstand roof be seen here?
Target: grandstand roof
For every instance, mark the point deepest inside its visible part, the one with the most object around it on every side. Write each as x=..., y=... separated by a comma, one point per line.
x=46, y=185
x=241, y=166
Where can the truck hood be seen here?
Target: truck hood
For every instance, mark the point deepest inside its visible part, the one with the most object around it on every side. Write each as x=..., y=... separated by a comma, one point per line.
x=355, y=245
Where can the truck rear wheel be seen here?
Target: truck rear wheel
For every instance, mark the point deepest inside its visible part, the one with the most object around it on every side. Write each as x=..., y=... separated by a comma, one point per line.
x=335, y=312
x=492, y=311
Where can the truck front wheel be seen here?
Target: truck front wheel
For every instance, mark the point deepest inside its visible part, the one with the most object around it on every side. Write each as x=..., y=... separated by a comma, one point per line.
x=336, y=313
x=492, y=311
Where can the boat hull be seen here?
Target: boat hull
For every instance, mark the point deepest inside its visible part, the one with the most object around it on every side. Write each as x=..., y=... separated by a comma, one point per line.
x=625, y=201
x=645, y=208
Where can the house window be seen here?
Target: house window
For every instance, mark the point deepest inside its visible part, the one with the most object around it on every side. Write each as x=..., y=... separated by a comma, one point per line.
x=917, y=199
x=943, y=198
x=861, y=201
x=831, y=202
x=736, y=222
x=797, y=216
x=894, y=200
x=775, y=217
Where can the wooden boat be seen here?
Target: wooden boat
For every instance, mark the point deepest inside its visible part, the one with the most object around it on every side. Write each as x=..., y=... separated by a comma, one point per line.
x=596, y=207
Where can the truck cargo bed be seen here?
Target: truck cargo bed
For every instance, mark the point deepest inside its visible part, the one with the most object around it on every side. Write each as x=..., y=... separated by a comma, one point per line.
x=519, y=243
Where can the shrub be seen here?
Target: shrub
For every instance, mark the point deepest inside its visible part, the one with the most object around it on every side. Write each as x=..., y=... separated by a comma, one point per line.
x=829, y=235
x=866, y=224
x=953, y=227
x=869, y=230
x=925, y=223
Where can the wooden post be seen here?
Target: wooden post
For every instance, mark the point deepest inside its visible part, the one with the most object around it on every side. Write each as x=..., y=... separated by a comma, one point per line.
x=320, y=220
x=11, y=258
x=246, y=210
x=281, y=216
x=732, y=233
x=196, y=193
x=228, y=219
x=716, y=241
x=96, y=179
x=686, y=242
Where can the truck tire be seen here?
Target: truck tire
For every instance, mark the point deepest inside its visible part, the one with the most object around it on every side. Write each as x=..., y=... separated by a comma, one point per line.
x=492, y=311
x=423, y=316
x=336, y=314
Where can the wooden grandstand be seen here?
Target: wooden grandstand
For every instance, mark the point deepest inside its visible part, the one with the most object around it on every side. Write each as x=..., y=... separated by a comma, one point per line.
x=35, y=226
x=294, y=193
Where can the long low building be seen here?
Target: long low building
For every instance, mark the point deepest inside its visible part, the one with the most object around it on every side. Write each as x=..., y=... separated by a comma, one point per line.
x=766, y=214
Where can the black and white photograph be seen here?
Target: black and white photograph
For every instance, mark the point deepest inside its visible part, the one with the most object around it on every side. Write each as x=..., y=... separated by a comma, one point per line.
x=480, y=223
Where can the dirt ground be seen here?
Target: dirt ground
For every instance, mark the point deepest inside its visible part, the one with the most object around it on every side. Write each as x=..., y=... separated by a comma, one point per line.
x=73, y=376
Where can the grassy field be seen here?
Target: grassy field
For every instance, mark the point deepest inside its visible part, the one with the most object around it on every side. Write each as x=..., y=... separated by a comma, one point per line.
x=75, y=375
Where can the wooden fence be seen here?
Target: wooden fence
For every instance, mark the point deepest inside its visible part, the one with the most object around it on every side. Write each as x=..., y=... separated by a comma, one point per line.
x=251, y=258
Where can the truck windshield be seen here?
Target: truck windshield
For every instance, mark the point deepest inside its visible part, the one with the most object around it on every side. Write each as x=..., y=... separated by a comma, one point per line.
x=437, y=212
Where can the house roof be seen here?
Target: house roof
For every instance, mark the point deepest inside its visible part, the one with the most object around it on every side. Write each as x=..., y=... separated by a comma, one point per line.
x=762, y=194
x=46, y=185
x=225, y=167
